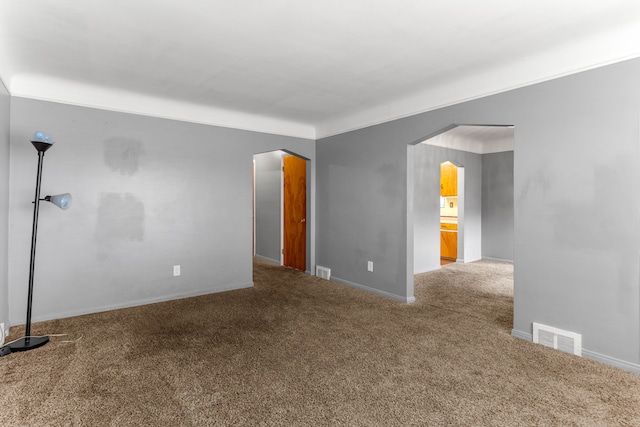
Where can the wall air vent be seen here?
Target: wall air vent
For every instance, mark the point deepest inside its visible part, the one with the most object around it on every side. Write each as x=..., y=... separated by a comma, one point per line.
x=569, y=342
x=323, y=272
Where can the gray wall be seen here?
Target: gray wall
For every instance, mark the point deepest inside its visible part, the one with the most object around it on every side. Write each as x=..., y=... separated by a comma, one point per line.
x=360, y=209
x=4, y=204
x=426, y=219
x=577, y=150
x=148, y=193
x=268, y=204
x=497, y=206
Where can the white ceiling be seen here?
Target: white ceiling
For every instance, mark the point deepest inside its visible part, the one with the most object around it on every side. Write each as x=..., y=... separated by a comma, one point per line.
x=296, y=67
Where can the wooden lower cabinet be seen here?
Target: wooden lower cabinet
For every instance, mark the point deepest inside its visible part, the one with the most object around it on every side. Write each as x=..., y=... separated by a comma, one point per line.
x=449, y=244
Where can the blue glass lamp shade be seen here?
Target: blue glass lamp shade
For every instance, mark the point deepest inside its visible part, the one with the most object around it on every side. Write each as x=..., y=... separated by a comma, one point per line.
x=63, y=201
x=41, y=141
x=40, y=136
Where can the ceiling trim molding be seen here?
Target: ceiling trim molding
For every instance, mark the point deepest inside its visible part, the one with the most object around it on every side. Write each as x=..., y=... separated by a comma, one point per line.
x=45, y=88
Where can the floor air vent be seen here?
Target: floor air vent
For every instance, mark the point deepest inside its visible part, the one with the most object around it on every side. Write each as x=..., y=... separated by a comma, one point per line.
x=569, y=342
x=323, y=272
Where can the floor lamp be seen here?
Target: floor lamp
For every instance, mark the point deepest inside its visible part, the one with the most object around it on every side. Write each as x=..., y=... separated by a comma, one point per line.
x=42, y=142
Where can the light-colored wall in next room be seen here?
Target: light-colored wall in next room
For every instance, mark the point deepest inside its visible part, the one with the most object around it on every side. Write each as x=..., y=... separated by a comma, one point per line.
x=4, y=204
x=426, y=220
x=497, y=206
x=149, y=193
x=268, y=202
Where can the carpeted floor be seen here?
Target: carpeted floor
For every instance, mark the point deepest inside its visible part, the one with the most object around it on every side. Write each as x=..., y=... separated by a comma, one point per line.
x=297, y=350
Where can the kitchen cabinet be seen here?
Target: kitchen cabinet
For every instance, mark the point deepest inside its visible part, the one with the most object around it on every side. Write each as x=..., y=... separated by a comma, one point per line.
x=448, y=179
x=449, y=244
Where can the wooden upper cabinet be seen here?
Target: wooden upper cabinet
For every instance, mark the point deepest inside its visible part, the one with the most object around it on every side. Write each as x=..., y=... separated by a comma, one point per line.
x=448, y=179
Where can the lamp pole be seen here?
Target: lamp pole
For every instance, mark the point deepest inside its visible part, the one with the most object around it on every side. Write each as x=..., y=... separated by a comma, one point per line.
x=29, y=342
x=41, y=147
x=41, y=143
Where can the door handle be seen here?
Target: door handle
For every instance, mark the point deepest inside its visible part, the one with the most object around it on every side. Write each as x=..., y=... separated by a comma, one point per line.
x=303, y=220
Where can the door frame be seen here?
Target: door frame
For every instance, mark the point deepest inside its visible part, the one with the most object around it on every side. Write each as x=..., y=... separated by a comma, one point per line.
x=310, y=209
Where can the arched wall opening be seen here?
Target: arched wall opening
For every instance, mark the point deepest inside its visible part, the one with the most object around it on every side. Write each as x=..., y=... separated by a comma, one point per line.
x=484, y=154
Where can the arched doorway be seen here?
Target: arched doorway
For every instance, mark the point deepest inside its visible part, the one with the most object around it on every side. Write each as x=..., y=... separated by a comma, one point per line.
x=479, y=152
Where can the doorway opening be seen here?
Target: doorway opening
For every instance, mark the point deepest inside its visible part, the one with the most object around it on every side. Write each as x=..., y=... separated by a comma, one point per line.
x=449, y=212
x=280, y=206
x=483, y=220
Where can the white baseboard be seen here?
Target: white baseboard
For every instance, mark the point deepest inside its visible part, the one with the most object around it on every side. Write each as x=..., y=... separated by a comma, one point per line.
x=436, y=268
x=612, y=361
x=588, y=354
x=275, y=261
x=374, y=291
x=488, y=258
x=522, y=335
x=128, y=304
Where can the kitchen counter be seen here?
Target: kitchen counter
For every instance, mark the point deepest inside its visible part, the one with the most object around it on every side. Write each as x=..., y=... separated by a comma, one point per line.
x=448, y=220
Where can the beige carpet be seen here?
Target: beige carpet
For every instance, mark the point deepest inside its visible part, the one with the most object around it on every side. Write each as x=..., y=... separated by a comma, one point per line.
x=297, y=350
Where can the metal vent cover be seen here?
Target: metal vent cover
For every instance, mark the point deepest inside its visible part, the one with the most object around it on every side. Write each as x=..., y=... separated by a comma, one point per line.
x=569, y=342
x=323, y=272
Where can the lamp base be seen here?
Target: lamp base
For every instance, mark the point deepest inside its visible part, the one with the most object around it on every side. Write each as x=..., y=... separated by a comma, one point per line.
x=27, y=343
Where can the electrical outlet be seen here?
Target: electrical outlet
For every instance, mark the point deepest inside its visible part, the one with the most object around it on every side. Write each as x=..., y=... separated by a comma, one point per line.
x=370, y=266
x=176, y=270
x=3, y=333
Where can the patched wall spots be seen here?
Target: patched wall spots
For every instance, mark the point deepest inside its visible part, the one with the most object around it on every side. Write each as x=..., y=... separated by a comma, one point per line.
x=120, y=220
x=123, y=155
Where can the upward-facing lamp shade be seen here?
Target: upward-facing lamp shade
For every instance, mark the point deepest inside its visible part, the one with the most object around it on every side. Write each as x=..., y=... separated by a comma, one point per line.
x=42, y=141
x=63, y=201
x=40, y=136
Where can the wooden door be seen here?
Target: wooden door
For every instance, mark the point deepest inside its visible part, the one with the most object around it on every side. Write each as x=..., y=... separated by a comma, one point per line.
x=295, y=212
